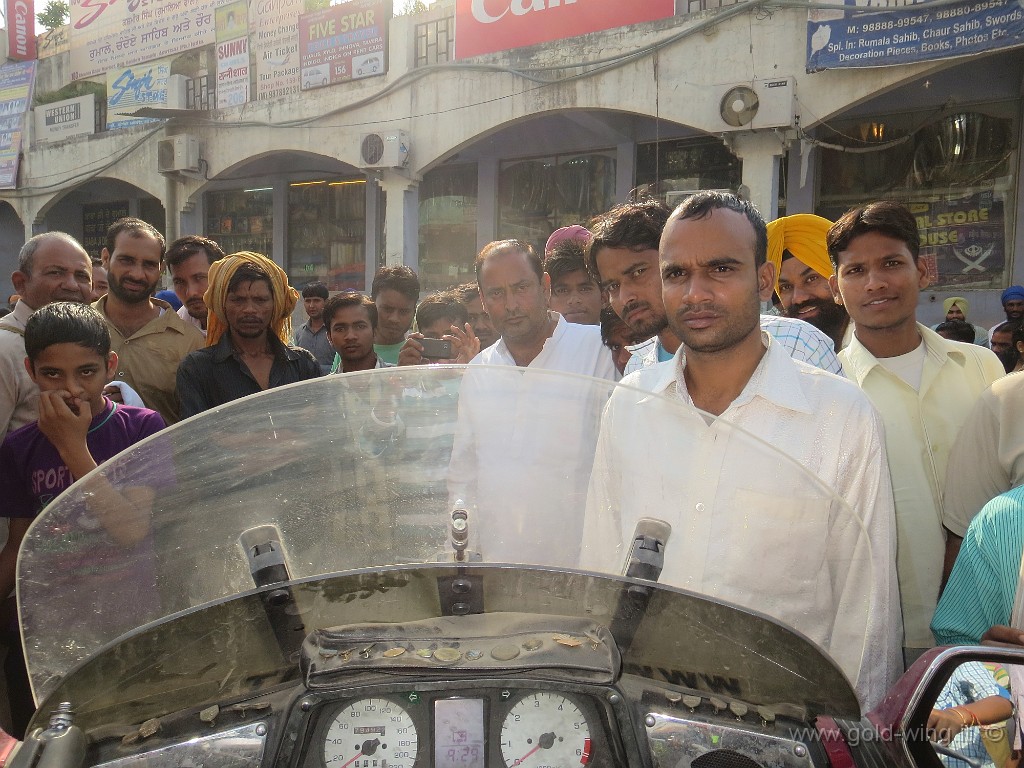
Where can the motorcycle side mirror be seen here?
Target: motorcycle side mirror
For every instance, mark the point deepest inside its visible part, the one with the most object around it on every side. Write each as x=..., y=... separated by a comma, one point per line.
x=955, y=708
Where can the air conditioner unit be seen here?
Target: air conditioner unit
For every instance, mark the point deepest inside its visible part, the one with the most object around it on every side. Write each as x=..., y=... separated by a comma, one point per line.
x=388, y=149
x=675, y=196
x=177, y=92
x=757, y=104
x=178, y=153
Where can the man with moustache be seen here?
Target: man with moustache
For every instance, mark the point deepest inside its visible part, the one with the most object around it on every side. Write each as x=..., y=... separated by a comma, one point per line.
x=248, y=336
x=52, y=267
x=754, y=533
x=146, y=333
x=623, y=255
x=188, y=260
x=796, y=246
x=527, y=484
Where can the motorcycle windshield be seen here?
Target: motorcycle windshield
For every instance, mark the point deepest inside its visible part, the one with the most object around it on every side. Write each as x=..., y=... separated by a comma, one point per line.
x=356, y=477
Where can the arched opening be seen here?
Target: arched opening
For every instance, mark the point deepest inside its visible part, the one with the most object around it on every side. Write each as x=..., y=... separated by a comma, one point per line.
x=12, y=237
x=527, y=178
x=88, y=210
x=316, y=216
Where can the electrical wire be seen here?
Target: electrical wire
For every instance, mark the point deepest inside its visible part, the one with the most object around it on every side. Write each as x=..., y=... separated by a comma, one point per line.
x=533, y=75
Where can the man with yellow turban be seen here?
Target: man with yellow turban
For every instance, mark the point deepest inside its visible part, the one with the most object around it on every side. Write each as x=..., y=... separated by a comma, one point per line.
x=796, y=246
x=248, y=330
x=956, y=308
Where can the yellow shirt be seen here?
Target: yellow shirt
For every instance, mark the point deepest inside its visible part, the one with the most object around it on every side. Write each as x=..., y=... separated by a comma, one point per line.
x=920, y=429
x=148, y=360
x=988, y=458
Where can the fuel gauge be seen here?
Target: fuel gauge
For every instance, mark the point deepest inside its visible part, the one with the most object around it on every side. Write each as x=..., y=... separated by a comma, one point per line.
x=545, y=729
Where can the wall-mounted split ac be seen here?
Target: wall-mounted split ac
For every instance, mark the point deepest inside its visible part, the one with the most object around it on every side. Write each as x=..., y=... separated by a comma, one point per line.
x=178, y=153
x=757, y=104
x=387, y=149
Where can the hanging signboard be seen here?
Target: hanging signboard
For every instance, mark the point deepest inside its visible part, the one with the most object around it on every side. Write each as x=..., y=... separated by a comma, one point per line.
x=344, y=42
x=110, y=35
x=16, y=83
x=273, y=34
x=21, y=34
x=963, y=239
x=488, y=26
x=64, y=119
x=131, y=88
x=910, y=33
x=233, y=70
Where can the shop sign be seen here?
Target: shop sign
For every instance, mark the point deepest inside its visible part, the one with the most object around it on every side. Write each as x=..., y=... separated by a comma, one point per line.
x=839, y=39
x=963, y=240
x=487, y=26
x=232, y=73
x=344, y=42
x=16, y=83
x=53, y=42
x=21, y=29
x=110, y=34
x=273, y=34
x=96, y=220
x=64, y=119
x=131, y=88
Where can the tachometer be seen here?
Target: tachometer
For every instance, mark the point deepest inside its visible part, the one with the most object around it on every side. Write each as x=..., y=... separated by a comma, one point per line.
x=371, y=732
x=545, y=729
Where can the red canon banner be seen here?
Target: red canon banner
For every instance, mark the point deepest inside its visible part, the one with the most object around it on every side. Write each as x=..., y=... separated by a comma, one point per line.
x=486, y=26
x=21, y=25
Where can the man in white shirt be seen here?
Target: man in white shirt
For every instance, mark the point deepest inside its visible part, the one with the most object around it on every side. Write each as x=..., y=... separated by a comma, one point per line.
x=923, y=385
x=525, y=440
x=749, y=526
x=624, y=256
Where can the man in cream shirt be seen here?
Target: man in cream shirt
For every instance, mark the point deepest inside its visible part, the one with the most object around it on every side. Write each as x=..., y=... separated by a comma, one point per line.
x=749, y=526
x=923, y=385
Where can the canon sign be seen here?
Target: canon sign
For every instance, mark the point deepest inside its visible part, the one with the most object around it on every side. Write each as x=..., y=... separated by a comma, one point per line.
x=21, y=39
x=517, y=7
x=486, y=26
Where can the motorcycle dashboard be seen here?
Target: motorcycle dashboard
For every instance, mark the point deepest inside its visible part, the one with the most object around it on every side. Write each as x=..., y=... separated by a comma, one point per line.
x=477, y=724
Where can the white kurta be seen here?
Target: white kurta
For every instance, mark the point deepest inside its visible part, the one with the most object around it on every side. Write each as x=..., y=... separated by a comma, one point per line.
x=524, y=446
x=750, y=526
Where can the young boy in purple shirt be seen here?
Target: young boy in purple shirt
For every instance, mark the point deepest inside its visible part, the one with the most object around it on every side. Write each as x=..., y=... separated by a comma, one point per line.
x=70, y=360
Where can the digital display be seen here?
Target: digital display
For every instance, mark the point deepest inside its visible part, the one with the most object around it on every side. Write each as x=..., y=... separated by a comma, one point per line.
x=459, y=733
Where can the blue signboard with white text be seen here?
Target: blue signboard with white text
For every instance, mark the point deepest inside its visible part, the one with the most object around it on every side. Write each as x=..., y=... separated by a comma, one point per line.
x=910, y=34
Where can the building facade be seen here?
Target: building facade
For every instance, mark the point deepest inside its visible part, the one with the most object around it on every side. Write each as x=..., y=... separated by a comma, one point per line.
x=427, y=157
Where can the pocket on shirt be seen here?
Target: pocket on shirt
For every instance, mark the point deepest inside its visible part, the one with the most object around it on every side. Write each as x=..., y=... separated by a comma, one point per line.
x=776, y=546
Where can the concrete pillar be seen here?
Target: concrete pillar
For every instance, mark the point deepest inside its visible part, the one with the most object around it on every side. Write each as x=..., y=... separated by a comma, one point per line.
x=625, y=170
x=372, y=247
x=760, y=153
x=486, y=201
x=401, y=219
x=800, y=177
x=279, y=241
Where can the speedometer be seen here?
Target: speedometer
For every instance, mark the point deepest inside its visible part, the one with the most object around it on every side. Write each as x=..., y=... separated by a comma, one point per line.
x=545, y=729
x=371, y=732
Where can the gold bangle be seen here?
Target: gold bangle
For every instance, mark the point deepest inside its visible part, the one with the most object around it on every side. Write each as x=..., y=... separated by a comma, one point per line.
x=960, y=714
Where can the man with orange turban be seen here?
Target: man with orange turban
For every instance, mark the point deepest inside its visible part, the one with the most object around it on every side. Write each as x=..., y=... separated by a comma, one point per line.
x=248, y=330
x=796, y=246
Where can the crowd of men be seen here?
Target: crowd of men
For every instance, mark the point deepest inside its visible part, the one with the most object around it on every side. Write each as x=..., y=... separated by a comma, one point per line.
x=913, y=429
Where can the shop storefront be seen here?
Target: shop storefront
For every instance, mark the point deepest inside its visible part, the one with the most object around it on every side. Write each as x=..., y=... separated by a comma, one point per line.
x=955, y=171
x=315, y=228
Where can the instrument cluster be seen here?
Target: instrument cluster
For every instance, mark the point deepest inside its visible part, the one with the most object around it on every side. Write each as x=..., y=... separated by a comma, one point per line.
x=479, y=727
